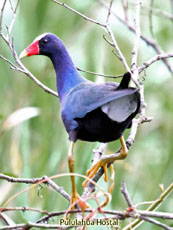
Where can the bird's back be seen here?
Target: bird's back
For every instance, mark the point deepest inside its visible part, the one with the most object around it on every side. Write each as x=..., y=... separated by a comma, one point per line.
x=99, y=112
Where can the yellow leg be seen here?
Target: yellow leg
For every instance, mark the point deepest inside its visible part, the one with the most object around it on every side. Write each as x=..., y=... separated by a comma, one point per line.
x=112, y=179
x=107, y=159
x=71, y=165
x=74, y=195
x=75, y=198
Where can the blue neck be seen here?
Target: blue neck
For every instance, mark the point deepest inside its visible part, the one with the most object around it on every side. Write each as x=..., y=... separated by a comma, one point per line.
x=67, y=75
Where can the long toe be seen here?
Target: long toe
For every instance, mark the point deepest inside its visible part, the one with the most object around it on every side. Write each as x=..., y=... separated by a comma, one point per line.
x=76, y=199
x=94, y=169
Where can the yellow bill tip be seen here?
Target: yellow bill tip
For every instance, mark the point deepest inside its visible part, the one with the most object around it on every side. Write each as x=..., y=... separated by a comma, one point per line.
x=23, y=54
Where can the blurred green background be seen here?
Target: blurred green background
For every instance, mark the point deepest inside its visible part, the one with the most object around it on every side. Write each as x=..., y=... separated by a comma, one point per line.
x=39, y=145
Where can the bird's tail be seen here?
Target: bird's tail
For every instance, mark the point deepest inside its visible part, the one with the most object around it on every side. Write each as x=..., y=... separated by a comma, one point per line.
x=124, y=84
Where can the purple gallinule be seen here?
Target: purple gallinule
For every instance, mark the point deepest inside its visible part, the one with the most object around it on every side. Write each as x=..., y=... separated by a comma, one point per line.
x=90, y=111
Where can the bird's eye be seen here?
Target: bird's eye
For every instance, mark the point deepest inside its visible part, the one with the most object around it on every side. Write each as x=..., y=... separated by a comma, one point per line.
x=44, y=41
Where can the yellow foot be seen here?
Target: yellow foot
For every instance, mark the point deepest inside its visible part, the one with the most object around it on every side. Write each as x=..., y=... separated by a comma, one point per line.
x=104, y=162
x=76, y=199
x=93, y=170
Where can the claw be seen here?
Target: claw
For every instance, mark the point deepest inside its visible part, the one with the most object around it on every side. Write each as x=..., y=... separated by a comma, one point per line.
x=104, y=162
x=105, y=172
x=76, y=199
x=94, y=169
x=112, y=179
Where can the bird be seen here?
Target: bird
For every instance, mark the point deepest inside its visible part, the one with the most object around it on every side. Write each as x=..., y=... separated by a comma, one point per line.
x=93, y=112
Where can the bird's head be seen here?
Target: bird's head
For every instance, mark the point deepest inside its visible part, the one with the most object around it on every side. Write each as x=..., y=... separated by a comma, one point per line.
x=45, y=44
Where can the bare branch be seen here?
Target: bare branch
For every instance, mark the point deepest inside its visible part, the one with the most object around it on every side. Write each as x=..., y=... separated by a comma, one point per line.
x=1, y=14
x=126, y=194
x=158, y=12
x=154, y=59
x=9, y=42
x=109, y=12
x=99, y=74
x=140, y=215
x=5, y=219
x=121, y=214
x=156, y=222
x=78, y=13
x=135, y=55
x=24, y=209
x=144, y=38
x=151, y=18
x=97, y=156
x=109, y=42
x=171, y=2
x=22, y=68
x=153, y=214
x=122, y=58
x=53, y=185
x=44, y=179
x=136, y=41
x=105, y=26
x=9, y=62
x=31, y=224
x=152, y=207
x=14, y=10
x=125, y=8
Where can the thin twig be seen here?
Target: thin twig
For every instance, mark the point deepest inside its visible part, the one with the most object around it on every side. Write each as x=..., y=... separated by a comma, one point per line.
x=125, y=8
x=43, y=179
x=6, y=219
x=1, y=14
x=60, y=190
x=12, y=65
x=151, y=18
x=99, y=74
x=171, y=3
x=24, y=209
x=109, y=12
x=154, y=59
x=154, y=214
x=78, y=13
x=144, y=38
x=152, y=207
x=120, y=214
x=139, y=214
x=136, y=41
x=109, y=42
x=31, y=224
x=121, y=56
x=105, y=26
x=14, y=10
x=126, y=194
x=24, y=70
x=156, y=222
x=135, y=55
x=157, y=12
x=97, y=156
x=19, y=67
x=20, y=180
